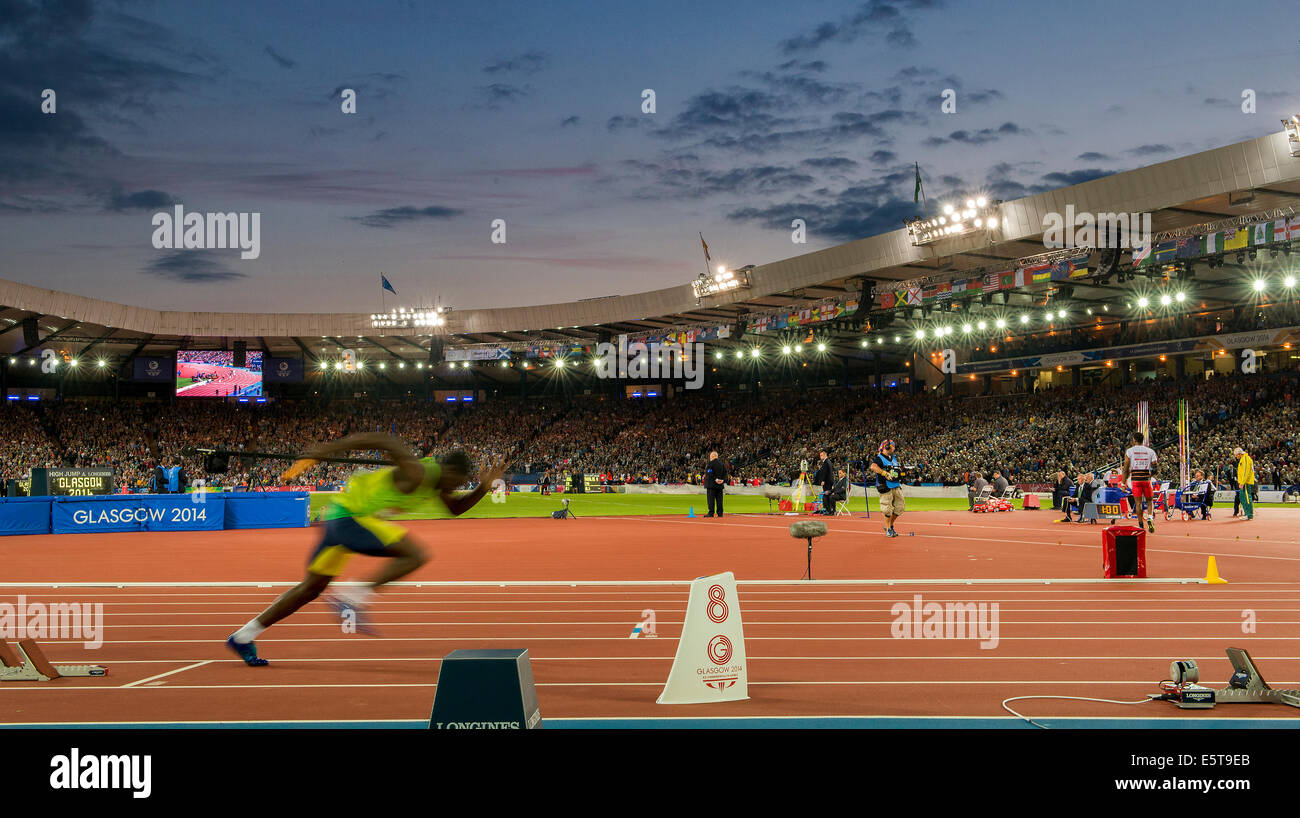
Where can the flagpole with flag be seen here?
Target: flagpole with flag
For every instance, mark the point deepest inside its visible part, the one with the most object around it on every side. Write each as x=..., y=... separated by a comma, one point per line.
x=918, y=194
x=384, y=284
x=708, y=262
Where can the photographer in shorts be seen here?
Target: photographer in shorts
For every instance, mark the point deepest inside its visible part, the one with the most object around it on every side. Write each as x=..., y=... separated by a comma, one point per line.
x=885, y=466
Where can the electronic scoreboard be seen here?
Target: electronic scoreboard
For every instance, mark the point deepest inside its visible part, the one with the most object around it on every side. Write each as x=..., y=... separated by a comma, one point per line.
x=70, y=482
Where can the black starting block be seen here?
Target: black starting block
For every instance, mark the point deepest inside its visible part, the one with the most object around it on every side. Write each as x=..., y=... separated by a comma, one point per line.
x=486, y=690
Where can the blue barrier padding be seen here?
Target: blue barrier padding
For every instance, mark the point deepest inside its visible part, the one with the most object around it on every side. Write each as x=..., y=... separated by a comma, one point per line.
x=136, y=512
x=268, y=509
x=24, y=515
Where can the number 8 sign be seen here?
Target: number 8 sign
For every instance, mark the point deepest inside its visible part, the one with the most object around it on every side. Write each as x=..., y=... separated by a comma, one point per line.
x=717, y=609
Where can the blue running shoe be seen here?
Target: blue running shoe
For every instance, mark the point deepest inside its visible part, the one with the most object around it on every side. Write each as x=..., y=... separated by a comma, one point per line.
x=247, y=651
x=353, y=613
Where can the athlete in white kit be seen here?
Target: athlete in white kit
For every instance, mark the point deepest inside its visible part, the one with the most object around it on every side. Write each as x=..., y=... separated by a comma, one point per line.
x=1139, y=468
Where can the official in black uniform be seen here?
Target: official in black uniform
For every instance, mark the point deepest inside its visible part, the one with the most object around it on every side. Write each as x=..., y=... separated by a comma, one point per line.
x=826, y=479
x=715, y=480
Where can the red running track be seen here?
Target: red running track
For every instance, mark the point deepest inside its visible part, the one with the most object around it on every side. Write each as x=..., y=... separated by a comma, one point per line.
x=814, y=649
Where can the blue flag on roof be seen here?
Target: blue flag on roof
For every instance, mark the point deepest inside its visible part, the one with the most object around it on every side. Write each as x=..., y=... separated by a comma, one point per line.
x=383, y=282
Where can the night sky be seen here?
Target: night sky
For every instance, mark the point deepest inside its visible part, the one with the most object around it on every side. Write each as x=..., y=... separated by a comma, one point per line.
x=532, y=113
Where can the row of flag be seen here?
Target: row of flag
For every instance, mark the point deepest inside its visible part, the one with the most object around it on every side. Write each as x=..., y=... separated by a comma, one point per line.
x=1222, y=241
x=1062, y=270
x=811, y=314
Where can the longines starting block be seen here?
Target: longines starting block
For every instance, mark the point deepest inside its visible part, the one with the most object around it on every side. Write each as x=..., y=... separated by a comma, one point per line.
x=1246, y=686
x=26, y=662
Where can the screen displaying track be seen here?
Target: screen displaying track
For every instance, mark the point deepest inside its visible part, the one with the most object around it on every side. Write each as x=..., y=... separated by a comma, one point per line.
x=213, y=374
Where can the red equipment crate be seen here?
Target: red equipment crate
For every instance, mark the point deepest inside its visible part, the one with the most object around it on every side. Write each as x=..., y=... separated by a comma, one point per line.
x=1124, y=552
x=1030, y=501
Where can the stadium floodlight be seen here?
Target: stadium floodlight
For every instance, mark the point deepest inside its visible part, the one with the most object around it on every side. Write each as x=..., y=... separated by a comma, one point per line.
x=1048, y=316
x=982, y=325
x=1259, y=285
x=73, y=362
x=717, y=356
x=981, y=202
x=102, y=362
x=965, y=328
x=401, y=365
x=798, y=347
x=13, y=361
x=1288, y=282
x=753, y=353
x=1144, y=302
x=1024, y=318
x=821, y=347
x=920, y=333
x=559, y=362
x=880, y=340
x=1166, y=300
x=1060, y=314
x=1002, y=323
x=785, y=350
x=419, y=365
x=337, y=364
x=324, y=364
x=864, y=343
x=947, y=209
x=383, y=365
x=739, y=354
x=361, y=364
x=1180, y=297
x=896, y=339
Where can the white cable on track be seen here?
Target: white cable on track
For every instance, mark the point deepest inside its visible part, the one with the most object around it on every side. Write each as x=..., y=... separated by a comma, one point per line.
x=1072, y=698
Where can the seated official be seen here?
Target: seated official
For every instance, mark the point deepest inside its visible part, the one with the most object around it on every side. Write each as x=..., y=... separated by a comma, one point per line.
x=1000, y=484
x=977, y=485
x=1199, y=495
x=1085, y=489
x=1060, y=489
x=838, y=493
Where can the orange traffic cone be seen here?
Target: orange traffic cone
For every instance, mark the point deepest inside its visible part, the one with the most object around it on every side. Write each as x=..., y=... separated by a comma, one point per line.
x=1212, y=574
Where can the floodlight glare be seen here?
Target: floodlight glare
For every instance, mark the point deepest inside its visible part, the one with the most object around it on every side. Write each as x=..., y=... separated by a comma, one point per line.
x=1002, y=323
x=920, y=333
x=1166, y=300
x=1288, y=282
x=1258, y=285
x=1144, y=302
x=965, y=327
x=1024, y=318
x=785, y=350
x=821, y=347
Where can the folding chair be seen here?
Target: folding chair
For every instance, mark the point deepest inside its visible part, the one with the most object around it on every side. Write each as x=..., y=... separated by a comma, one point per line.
x=842, y=506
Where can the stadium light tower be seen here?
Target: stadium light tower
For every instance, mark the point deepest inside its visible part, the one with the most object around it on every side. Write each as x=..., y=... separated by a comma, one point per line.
x=404, y=318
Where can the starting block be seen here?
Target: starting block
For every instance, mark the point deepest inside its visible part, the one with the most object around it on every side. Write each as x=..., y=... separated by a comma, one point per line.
x=485, y=690
x=26, y=662
x=1247, y=686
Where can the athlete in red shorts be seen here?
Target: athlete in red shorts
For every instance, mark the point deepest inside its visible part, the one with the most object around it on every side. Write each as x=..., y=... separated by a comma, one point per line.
x=1139, y=468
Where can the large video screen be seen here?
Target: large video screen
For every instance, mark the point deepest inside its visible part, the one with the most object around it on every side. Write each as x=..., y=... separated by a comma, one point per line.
x=213, y=374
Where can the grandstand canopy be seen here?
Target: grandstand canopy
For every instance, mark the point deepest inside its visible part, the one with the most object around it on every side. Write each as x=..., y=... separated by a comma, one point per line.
x=1235, y=184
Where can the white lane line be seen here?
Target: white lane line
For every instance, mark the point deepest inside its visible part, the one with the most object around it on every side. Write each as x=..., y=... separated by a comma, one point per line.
x=169, y=673
x=618, y=623
x=668, y=658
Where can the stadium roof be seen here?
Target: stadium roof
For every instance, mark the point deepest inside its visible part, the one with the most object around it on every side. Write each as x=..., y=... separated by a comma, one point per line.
x=1255, y=177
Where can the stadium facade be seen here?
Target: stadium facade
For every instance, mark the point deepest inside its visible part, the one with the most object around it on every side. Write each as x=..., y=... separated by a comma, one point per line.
x=986, y=310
